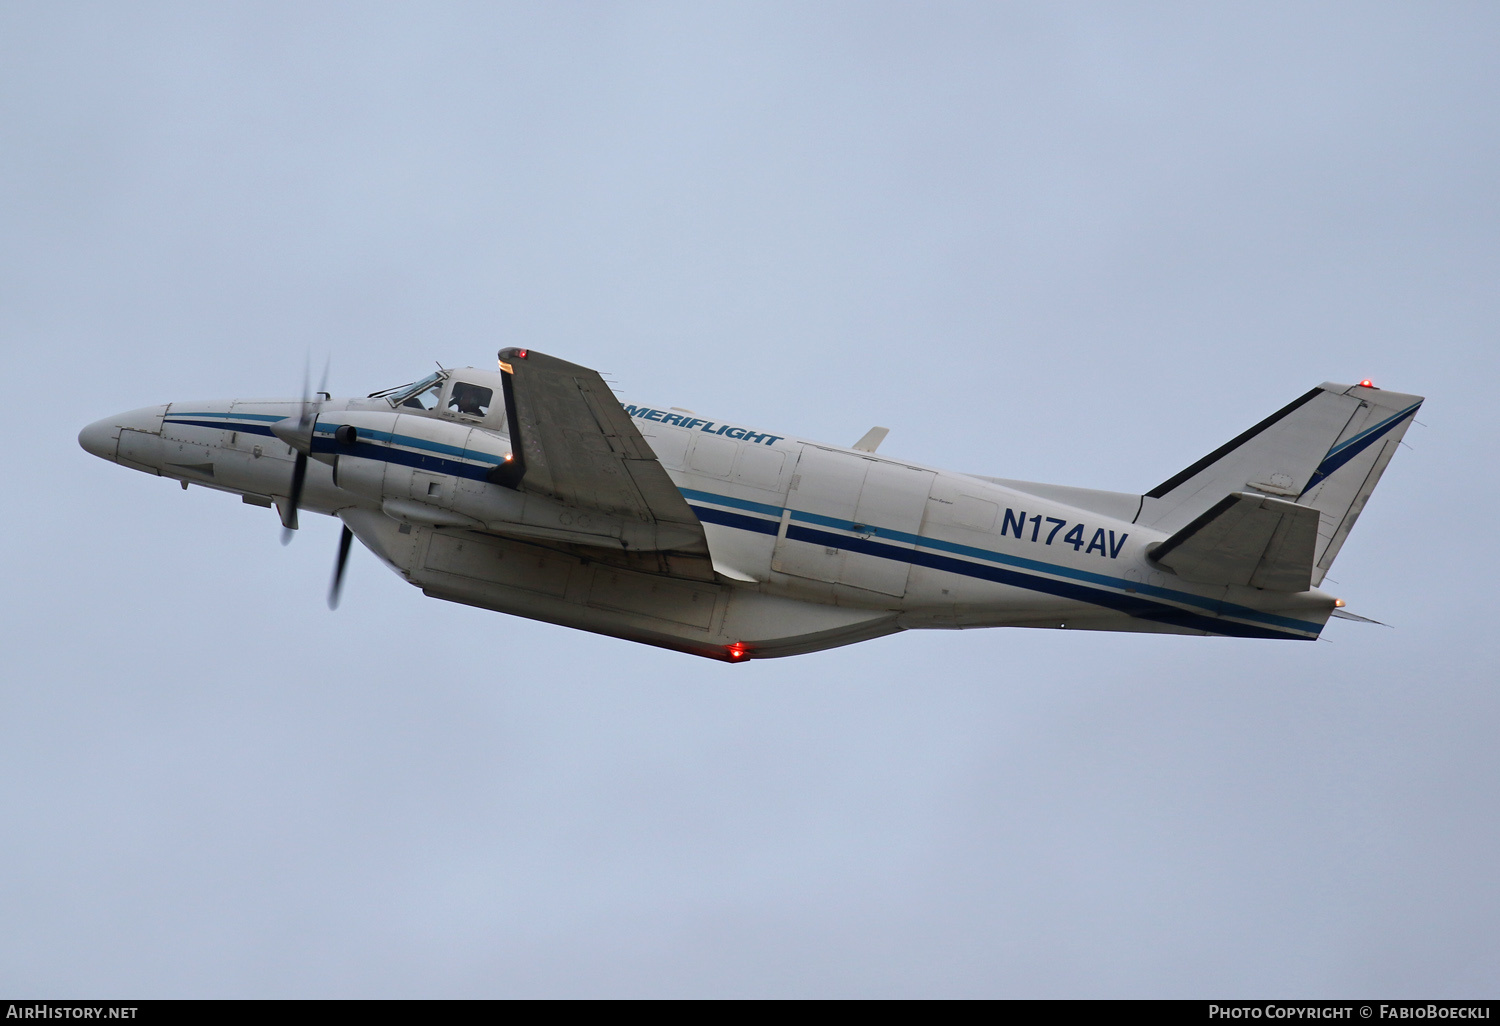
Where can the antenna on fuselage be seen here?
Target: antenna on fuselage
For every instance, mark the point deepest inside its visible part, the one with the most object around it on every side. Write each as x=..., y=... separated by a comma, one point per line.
x=871, y=440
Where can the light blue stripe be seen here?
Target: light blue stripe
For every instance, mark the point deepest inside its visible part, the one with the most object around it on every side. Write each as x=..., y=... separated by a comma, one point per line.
x=409, y=442
x=1037, y=566
x=389, y=438
x=725, y=500
x=1215, y=606
x=1368, y=431
x=263, y=417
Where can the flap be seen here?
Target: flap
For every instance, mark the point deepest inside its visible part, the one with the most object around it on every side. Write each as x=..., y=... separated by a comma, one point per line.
x=1246, y=539
x=573, y=441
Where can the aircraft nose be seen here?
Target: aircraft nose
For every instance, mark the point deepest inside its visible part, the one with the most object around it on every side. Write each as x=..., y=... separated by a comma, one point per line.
x=99, y=438
x=102, y=437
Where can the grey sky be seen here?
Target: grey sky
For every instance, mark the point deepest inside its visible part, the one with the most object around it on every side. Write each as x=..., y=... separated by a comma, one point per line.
x=1082, y=243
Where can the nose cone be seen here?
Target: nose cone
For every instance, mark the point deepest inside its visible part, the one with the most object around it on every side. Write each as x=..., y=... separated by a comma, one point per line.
x=102, y=437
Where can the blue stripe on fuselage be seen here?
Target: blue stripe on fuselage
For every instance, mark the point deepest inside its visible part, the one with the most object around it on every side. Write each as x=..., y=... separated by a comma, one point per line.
x=709, y=515
x=403, y=457
x=1132, y=605
x=249, y=429
x=1084, y=577
x=266, y=417
x=323, y=442
x=1085, y=586
x=1112, y=599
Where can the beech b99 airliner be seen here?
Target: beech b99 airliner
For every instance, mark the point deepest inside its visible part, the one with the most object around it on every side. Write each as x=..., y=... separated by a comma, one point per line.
x=532, y=490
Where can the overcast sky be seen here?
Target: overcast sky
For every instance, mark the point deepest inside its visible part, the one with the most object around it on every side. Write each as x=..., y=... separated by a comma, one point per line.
x=1079, y=243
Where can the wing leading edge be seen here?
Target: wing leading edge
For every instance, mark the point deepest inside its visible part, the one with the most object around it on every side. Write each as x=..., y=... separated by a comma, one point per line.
x=574, y=442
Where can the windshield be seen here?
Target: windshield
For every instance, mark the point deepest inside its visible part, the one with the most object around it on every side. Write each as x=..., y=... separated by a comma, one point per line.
x=419, y=395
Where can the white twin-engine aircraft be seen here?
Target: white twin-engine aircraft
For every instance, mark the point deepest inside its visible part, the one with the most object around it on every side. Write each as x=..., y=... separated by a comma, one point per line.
x=532, y=490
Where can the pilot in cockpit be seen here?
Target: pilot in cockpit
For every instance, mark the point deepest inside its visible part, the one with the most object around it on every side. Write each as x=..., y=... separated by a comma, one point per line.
x=471, y=399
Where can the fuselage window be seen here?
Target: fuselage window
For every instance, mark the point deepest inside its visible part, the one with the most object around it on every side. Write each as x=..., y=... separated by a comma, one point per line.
x=471, y=399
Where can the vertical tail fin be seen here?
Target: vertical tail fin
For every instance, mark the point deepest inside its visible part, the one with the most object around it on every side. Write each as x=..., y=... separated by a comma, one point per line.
x=1351, y=468
x=1326, y=450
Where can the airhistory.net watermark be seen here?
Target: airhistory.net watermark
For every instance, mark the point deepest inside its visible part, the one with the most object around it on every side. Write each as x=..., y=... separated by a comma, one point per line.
x=43, y=1010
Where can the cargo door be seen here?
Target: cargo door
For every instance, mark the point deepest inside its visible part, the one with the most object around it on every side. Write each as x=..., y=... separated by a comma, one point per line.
x=851, y=520
x=824, y=495
x=892, y=503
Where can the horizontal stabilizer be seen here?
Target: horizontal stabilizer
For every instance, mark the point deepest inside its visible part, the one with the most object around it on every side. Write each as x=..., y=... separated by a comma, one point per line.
x=1246, y=539
x=1325, y=450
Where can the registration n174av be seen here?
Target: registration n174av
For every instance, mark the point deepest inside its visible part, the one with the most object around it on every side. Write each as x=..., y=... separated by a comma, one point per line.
x=531, y=489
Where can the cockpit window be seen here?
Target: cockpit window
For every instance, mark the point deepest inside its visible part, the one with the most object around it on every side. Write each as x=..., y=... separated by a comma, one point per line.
x=419, y=395
x=425, y=399
x=471, y=399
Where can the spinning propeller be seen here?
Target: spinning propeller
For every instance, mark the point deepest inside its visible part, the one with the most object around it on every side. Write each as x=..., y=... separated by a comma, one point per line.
x=298, y=433
x=345, y=539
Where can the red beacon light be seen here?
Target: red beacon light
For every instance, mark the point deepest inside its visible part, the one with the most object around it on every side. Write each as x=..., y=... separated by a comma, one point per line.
x=737, y=651
x=1367, y=383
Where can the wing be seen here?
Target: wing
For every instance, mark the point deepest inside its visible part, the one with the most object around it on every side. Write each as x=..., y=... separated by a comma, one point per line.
x=573, y=441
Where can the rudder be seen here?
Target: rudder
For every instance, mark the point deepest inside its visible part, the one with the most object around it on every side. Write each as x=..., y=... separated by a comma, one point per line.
x=1326, y=449
x=1351, y=468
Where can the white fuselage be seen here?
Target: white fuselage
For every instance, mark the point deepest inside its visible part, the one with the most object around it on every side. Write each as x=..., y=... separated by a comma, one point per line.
x=812, y=545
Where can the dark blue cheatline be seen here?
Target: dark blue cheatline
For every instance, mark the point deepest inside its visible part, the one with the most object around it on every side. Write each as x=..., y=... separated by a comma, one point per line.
x=1086, y=586
x=1352, y=447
